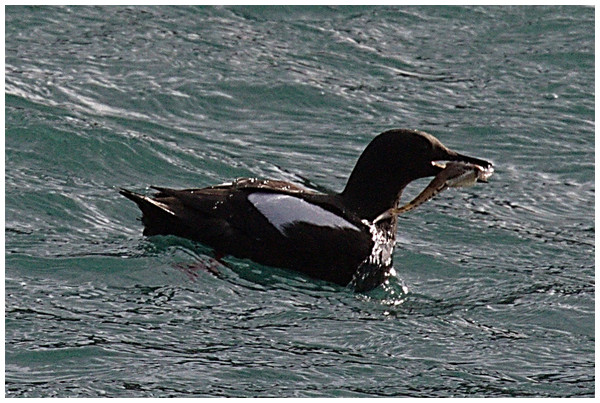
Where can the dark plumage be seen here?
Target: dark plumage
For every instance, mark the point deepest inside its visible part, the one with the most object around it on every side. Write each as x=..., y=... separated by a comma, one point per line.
x=326, y=236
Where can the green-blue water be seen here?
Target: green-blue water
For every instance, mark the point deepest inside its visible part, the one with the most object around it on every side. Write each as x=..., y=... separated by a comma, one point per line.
x=495, y=289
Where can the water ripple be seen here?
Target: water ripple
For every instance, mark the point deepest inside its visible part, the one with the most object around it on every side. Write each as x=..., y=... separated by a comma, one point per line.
x=495, y=286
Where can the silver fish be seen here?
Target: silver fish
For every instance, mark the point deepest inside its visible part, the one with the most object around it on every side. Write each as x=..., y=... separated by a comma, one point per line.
x=454, y=174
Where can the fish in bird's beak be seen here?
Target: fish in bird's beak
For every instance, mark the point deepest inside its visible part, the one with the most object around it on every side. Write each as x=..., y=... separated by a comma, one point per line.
x=483, y=169
x=456, y=170
x=463, y=173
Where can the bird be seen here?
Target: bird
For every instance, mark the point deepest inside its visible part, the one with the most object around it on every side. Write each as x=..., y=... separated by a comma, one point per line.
x=336, y=237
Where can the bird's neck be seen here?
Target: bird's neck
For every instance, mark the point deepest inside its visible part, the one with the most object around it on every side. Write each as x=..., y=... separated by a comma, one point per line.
x=368, y=197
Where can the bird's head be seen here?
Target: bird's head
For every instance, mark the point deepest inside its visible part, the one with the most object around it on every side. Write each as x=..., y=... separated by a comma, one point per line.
x=391, y=161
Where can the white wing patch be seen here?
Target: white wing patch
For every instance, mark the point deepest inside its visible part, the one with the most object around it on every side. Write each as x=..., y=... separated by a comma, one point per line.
x=283, y=211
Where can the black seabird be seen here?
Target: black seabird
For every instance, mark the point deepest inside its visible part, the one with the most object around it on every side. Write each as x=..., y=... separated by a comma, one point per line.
x=325, y=236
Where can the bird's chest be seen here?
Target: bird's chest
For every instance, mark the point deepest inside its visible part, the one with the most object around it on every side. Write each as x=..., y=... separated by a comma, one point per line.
x=384, y=240
x=377, y=267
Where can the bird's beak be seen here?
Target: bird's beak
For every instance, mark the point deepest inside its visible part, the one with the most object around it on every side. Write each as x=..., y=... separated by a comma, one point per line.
x=471, y=160
x=485, y=166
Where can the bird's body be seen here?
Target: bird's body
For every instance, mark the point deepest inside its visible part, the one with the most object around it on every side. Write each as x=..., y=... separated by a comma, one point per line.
x=326, y=236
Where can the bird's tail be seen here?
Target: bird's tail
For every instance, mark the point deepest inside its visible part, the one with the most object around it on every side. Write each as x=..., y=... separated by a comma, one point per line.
x=157, y=217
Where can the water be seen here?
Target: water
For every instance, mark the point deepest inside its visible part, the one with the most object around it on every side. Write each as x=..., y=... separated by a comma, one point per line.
x=495, y=289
